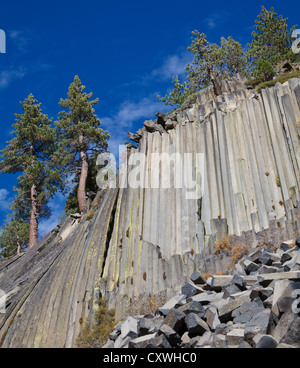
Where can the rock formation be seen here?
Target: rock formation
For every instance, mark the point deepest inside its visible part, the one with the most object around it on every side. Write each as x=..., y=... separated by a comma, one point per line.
x=246, y=309
x=135, y=243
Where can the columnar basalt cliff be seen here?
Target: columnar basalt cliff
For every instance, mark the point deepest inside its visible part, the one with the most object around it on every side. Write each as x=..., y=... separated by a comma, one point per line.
x=136, y=243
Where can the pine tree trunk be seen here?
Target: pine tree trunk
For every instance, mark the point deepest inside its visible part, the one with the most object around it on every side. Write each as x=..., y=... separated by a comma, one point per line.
x=237, y=73
x=18, y=248
x=34, y=219
x=216, y=85
x=82, y=180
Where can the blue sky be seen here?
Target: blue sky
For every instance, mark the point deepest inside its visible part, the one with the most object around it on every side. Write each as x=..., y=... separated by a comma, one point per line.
x=125, y=52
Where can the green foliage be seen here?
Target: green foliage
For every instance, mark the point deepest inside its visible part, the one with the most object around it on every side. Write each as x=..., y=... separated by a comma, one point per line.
x=96, y=336
x=78, y=118
x=253, y=82
x=210, y=63
x=207, y=64
x=30, y=152
x=234, y=58
x=271, y=39
x=270, y=45
x=14, y=235
x=177, y=96
x=264, y=70
x=281, y=79
x=78, y=133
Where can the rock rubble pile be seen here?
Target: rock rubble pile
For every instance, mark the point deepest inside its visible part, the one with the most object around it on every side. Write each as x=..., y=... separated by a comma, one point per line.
x=256, y=306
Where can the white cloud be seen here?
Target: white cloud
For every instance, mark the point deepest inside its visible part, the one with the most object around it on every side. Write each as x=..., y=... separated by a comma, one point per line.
x=5, y=200
x=214, y=20
x=173, y=65
x=128, y=113
x=8, y=76
x=20, y=39
x=210, y=22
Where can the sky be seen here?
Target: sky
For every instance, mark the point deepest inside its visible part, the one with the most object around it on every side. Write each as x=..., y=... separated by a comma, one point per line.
x=125, y=52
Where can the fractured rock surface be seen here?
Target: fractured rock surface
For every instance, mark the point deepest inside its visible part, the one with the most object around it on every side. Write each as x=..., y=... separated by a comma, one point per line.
x=247, y=319
x=146, y=242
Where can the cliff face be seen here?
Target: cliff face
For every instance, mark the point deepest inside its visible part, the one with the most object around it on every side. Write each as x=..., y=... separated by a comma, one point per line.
x=146, y=242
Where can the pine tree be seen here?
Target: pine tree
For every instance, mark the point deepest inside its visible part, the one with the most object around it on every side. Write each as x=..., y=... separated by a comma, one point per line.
x=177, y=96
x=72, y=205
x=233, y=57
x=79, y=136
x=206, y=68
x=30, y=152
x=207, y=65
x=14, y=237
x=272, y=40
x=264, y=70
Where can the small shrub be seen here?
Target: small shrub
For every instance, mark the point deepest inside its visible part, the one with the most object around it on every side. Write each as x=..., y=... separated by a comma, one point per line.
x=278, y=183
x=264, y=70
x=206, y=275
x=96, y=336
x=222, y=246
x=253, y=82
x=281, y=79
x=237, y=252
x=234, y=252
x=147, y=304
